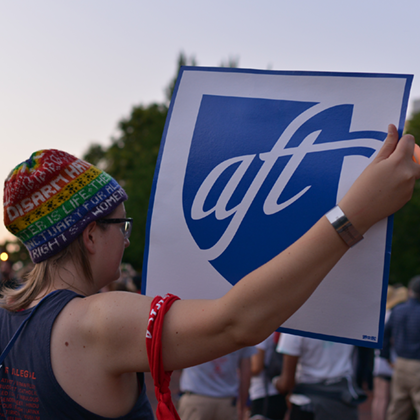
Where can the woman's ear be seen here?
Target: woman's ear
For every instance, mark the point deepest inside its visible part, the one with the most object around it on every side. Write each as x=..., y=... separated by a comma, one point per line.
x=90, y=237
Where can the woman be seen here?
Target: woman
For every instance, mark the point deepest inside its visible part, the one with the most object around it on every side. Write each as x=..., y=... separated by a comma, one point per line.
x=82, y=360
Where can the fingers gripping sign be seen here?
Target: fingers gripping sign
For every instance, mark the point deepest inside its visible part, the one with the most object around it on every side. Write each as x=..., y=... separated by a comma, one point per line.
x=416, y=155
x=392, y=173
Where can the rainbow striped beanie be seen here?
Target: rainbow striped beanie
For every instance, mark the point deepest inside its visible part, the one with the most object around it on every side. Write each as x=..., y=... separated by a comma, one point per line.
x=50, y=198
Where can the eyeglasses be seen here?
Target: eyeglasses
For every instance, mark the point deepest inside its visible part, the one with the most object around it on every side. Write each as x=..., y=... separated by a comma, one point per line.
x=126, y=227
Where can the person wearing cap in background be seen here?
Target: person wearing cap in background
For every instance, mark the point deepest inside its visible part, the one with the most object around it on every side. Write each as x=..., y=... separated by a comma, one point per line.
x=402, y=331
x=80, y=353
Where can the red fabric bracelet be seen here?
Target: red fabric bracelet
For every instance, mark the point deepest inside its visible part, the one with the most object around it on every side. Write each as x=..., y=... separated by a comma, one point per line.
x=165, y=408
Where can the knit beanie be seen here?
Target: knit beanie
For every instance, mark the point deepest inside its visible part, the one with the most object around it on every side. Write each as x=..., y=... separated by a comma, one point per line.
x=50, y=198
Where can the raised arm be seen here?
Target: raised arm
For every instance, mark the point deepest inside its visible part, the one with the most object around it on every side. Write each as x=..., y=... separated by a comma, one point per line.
x=200, y=330
x=196, y=331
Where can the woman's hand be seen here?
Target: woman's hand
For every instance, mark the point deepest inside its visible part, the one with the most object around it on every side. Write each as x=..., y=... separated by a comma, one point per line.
x=385, y=185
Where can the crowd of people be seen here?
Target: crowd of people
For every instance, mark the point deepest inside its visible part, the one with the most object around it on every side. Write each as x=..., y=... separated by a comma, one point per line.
x=319, y=380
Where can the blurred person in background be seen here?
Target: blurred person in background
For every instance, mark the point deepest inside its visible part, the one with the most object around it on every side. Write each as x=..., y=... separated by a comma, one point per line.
x=125, y=283
x=266, y=402
x=402, y=331
x=217, y=389
x=319, y=376
x=7, y=276
x=382, y=370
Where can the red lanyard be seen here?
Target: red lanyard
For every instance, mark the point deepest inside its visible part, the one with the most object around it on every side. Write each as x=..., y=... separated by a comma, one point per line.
x=165, y=409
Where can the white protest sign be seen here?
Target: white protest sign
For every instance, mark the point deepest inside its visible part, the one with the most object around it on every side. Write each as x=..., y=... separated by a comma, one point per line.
x=249, y=161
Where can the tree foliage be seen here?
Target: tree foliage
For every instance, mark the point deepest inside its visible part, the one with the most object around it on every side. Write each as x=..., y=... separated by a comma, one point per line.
x=131, y=160
x=183, y=60
x=413, y=126
x=405, y=257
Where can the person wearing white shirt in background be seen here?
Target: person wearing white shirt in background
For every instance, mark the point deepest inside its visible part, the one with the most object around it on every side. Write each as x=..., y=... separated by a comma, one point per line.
x=318, y=374
x=382, y=370
x=266, y=402
x=217, y=389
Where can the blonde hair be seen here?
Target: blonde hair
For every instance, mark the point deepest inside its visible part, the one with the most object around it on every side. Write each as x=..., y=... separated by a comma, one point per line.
x=395, y=296
x=41, y=276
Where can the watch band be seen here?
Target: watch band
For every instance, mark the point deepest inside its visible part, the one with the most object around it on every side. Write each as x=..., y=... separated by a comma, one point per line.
x=343, y=226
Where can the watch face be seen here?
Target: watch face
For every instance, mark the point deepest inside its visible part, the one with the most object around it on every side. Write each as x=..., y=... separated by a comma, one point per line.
x=335, y=214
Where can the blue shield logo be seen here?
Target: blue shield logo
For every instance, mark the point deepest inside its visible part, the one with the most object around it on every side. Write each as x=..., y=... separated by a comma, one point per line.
x=261, y=172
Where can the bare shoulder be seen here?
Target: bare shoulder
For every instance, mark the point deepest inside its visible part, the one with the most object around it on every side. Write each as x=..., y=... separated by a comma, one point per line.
x=109, y=326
